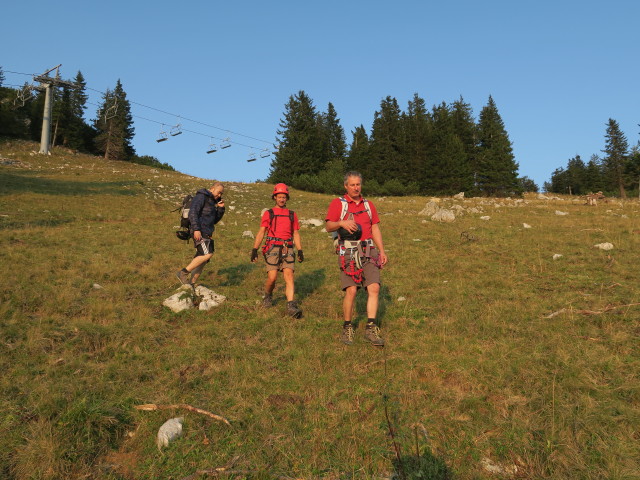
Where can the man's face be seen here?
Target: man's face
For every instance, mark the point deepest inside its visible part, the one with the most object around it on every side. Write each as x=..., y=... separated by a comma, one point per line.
x=353, y=187
x=281, y=199
x=217, y=192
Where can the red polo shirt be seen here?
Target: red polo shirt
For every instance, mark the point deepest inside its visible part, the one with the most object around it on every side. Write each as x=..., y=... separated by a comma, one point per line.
x=360, y=215
x=280, y=227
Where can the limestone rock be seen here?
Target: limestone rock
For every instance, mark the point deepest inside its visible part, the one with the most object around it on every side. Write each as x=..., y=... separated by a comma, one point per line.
x=443, y=215
x=187, y=297
x=604, y=246
x=430, y=209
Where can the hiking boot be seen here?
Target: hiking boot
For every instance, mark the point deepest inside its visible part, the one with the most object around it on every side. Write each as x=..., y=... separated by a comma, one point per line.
x=267, y=301
x=372, y=333
x=348, y=332
x=183, y=277
x=293, y=310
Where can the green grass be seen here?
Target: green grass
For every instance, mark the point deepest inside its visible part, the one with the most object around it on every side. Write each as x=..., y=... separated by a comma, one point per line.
x=472, y=369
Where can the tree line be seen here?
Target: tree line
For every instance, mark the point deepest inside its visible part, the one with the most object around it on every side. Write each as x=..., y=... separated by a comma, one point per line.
x=437, y=151
x=617, y=173
x=109, y=134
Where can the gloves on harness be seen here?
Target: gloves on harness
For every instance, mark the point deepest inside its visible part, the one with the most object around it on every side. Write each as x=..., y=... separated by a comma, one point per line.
x=300, y=256
x=254, y=254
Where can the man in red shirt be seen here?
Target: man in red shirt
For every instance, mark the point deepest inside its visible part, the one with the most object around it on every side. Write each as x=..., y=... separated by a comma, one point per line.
x=361, y=254
x=282, y=229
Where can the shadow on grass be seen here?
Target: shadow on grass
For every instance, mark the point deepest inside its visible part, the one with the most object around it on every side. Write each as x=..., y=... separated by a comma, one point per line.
x=425, y=467
x=29, y=183
x=383, y=300
x=235, y=275
x=309, y=282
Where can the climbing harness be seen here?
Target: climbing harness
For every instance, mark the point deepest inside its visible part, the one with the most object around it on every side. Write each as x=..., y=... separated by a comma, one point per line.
x=276, y=250
x=353, y=255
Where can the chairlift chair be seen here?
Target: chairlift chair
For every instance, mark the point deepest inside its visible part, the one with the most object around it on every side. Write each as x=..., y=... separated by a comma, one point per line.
x=265, y=153
x=176, y=130
x=226, y=143
x=252, y=157
x=212, y=148
x=163, y=137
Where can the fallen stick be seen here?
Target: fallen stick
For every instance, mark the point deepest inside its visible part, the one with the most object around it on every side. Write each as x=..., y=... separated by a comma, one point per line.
x=216, y=471
x=606, y=309
x=150, y=407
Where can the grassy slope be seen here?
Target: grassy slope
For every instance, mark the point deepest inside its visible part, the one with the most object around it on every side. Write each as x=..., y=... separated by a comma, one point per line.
x=472, y=370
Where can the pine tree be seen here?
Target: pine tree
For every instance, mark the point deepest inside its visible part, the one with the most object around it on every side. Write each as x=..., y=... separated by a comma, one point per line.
x=114, y=124
x=466, y=129
x=615, y=161
x=418, y=134
x=358, y=157
x=301, y=139
x=497, y=168
x=337, y=143
x=386, y=161
x=576, y=176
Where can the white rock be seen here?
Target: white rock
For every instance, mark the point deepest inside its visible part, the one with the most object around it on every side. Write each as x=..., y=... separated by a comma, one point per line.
x=443, y=215
x=97, y=286
x=558, y=212
x=401, y=299
x=169, y=431
x=183, y=299
x=324, y=230
x=232, y=207
x=604, y=246
x=417, y=240
x=556, y=256
x=312, y=221
x=430, y=209
x=248, y=233
x=526, y=225
x=486, y=217
x=542, y=197
x=459, y=196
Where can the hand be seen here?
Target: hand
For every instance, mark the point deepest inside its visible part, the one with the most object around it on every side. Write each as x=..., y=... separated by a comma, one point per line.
x=383, y=259
x=300, y=256
x=220, y=203
x=349, y=225
x=254, y=254
x=197, y=235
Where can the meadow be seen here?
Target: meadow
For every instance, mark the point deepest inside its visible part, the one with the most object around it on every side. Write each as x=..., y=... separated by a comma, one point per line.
x=501, y=361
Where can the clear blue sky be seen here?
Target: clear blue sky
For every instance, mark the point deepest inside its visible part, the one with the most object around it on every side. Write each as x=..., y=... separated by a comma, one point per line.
x=557, y=70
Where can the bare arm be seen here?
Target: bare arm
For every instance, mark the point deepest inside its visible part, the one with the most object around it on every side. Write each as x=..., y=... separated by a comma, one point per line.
x=259, y=237
x=296, y=240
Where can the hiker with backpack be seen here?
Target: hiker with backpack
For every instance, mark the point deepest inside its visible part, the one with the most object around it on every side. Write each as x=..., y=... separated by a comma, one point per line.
x=281, y=227
x=206, y=209
x=360, y=252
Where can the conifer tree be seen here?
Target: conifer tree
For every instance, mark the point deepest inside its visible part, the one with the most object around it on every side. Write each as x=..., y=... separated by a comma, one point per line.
x=497, y=168
x=593, y=175
x=301, y=141
x=358, y=156
x=418, y=131
x=466, y=129
x=337, y=143
x=114, y=124
x=386, y=156
x=616, y=150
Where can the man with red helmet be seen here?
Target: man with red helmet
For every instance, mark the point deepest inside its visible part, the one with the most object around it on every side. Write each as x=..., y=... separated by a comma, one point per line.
x=281, y=227
x=361, y=254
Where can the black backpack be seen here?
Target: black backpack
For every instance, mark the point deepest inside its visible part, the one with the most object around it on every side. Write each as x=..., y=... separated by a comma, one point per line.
x=184, y=233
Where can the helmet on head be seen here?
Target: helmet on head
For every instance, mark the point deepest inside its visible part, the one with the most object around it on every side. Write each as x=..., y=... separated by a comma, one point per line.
x=280, y=188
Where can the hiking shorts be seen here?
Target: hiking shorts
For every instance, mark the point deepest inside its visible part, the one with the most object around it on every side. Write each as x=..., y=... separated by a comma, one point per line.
x=203, y=247
x=370, y=273
x=272, y=261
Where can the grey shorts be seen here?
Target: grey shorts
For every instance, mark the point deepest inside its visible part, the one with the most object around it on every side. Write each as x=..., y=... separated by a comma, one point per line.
x=275, y=261
x=370, y=273
x=204, y=247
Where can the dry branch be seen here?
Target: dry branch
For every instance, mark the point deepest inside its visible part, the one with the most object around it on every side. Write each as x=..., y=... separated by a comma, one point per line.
x=149, y=407
x=606, y=309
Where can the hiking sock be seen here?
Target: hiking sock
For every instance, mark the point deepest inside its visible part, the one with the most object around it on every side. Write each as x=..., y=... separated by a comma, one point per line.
x=371, y=322
x=185, y=270
x=346, y=324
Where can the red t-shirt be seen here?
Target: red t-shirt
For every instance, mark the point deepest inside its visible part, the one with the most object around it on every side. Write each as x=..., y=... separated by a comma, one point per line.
x=360, y=215
x=280, y=227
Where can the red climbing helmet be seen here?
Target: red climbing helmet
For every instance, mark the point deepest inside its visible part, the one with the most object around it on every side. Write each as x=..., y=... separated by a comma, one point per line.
x=280, y=188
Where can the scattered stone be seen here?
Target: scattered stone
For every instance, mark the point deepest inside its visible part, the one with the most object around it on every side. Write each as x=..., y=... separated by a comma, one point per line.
x=231, y=208
x=459, y=196
x=558, y=212
x=169, y=431
x=430, y=209
x=188, y=297
x=312, y=221
x=491, y=467
x=526, y=225
x=97, y=286
x=248, y=233
x=556, y=256
x=401, y=299
x=485, y=217
x=604, y=246
x=443, y=215
x=417, y=240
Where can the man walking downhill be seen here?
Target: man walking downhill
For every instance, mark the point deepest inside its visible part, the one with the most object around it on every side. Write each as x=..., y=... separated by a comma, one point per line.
x=207, y=209
x=360, y=254
x=282, y=232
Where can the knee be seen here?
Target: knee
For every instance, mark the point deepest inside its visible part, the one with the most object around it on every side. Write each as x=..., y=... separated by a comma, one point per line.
x=373, y=289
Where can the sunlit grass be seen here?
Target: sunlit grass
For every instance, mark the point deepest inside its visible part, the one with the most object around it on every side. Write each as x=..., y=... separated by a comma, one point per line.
x=472, y=370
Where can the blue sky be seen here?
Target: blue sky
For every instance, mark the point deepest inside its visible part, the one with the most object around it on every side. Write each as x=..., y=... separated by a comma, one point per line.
x=557, y=70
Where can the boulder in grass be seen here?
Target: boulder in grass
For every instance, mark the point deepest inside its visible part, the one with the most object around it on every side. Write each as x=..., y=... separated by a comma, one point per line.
x=430, y=209
x=443, y=215
x=604, y=246
x=188, y=297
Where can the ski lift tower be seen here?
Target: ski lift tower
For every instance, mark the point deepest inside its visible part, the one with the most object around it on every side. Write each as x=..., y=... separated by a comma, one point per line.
x=46, y=82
